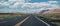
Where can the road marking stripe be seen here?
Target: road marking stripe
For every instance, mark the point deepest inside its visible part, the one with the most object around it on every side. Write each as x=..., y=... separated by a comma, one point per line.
x=42, y=21
x=18, y=24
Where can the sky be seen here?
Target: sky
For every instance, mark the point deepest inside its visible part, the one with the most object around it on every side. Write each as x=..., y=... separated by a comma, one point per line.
x=27, y=6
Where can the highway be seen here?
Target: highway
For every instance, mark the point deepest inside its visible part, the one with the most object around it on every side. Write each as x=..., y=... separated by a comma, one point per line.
x=27, y=20
x=33, y=21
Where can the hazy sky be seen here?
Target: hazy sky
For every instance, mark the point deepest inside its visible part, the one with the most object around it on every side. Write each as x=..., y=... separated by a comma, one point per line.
x=27, y=6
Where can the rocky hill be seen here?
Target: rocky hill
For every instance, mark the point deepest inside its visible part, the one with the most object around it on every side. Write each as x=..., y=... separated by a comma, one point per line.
x=53, y=11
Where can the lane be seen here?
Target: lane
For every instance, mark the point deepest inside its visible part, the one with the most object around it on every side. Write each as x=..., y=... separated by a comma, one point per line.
x=32, y=21
x=12, y=21
x=18, y=24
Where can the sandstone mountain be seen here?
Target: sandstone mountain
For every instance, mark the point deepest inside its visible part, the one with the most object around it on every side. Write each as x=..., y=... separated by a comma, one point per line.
x=53, y=11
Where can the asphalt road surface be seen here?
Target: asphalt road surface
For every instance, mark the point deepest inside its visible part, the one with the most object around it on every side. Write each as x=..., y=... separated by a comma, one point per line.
x=32, y=21
x=27, y=20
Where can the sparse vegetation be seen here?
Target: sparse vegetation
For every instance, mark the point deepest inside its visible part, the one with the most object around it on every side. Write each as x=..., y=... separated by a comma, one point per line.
x=52, y=18
x=2, y=17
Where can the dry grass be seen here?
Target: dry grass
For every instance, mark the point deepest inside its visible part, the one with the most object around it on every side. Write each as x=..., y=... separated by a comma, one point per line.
x=8, y=16
x=52, y=17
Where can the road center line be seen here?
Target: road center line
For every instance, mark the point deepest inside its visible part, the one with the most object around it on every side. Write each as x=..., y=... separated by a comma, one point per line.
x=18, y=24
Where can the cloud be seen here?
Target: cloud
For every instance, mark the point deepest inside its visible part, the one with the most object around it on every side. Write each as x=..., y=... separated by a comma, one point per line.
x=31, y=5
x=3, y=0
x=21, y=6
x=4, y=3
x=20, y=1
x=35, y=5
x=53, y=2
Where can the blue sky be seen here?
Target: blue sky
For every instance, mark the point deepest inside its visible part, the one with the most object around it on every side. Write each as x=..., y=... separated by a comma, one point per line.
x=27, y=6
x=32, y=1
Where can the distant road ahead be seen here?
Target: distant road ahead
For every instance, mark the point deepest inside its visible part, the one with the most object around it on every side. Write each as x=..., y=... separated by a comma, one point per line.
x=34, y=21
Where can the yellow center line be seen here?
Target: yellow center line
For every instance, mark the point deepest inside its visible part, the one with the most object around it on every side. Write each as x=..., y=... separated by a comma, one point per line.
x=18, y=24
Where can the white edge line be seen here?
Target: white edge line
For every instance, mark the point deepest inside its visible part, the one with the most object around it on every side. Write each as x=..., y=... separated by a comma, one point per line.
x=42, y=21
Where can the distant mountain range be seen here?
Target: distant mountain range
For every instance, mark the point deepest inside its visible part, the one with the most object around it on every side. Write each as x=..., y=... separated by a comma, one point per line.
x=10, y=13
x=41, y=12
x=53, y=11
